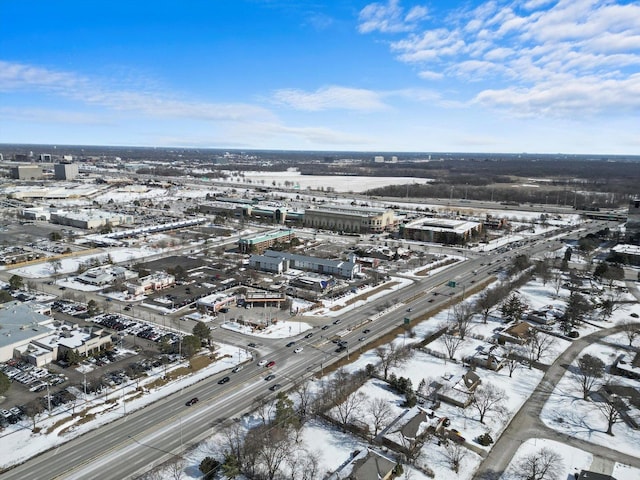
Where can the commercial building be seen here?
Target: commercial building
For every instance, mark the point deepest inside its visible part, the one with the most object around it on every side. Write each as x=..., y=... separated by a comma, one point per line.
x=350, y=219
x=90, y=219
x=27, y=172
x=263, y=241
x=440, y=230
x=155, y=281
x=65, y=171
x=633, y=222
x=20, y=324
x=280, y=262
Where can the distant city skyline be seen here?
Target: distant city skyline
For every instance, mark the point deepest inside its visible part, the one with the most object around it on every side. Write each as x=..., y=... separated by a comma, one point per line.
x=538, y=76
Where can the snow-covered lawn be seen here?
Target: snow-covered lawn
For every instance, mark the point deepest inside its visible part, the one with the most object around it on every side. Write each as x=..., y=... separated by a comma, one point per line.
x=572, y=460
x=567, y=412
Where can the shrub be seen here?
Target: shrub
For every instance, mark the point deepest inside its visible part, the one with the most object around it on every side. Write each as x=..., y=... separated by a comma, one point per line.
x=485, y=440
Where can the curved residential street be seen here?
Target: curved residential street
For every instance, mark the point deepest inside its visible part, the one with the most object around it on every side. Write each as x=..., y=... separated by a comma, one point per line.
x=527, y=424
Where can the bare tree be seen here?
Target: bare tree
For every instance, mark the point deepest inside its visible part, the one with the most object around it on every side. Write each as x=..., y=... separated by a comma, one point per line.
x=590, y=370
x=233, y=442
x=452, y=343
x=514, y=359
x=488, y=299
x=351, y=404
x=631, y=330
x=545, y=464
x=32, y=410
x=175, y=468
x=303, y=465
x=488, y=398
x=538, y=345
x=264, y=407
x=462, y=316
x=305, y=399
x=380, y=412
x=387, y=358
x=275, y=448
x=454, y=453
x=610, y=406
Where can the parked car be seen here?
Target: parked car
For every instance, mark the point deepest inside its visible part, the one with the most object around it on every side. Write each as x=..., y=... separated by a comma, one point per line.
x=193, y=401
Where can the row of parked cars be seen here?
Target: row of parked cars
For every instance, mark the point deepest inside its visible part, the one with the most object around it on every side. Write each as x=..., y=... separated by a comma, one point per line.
x=30, y=375
x=133, y=327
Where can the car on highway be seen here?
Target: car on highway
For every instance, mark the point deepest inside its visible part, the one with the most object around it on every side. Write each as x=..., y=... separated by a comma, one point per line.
x=252, y=345
x=336, y=322
x=340, y=349
x=271, y=364
x=223, y=380
x=262, y=363
x=366, y=330
x=326, y=327
x=291, y=344
x=362, y=339
x=268, y=378
x=409, y=309
x=193, y=401
x=298, y=350
x=309, y=335
x=237, y=368
x=274, y=387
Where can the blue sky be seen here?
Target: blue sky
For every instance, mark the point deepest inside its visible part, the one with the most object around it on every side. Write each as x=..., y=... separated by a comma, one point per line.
x=397, y=75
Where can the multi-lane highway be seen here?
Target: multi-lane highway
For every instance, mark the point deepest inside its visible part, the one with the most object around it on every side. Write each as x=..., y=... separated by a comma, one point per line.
x=138, y=441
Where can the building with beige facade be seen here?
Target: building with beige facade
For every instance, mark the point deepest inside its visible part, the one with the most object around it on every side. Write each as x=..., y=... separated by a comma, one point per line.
x=350, y=219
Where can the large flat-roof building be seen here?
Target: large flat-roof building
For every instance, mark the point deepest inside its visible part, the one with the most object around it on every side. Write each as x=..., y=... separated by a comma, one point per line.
x=27, y=172
x=259, y=243
x=90, y=219
x=633, y=222
x=440, y=230
x=20, y=324
x=350, y=219
x=65, y=171
x=280, y=262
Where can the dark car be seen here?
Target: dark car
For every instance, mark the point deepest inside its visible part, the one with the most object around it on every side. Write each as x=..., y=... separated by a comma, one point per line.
x=336, y=322
x=326, y=327
x=268, y=378
x=274, y=387
x=291, y=344
x=366, y=330
x=309, y=335
x=252, y=345
x=223, y=380
x=341, y=349
x=193, y=401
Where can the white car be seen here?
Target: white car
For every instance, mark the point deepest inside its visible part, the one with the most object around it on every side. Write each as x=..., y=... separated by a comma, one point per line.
x=298, y=350
x=262, y=363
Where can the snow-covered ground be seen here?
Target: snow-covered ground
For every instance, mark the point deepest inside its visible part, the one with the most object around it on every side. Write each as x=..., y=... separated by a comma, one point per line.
x=567, y=412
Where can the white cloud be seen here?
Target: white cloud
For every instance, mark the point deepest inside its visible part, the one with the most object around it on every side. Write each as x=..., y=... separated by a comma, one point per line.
x=536, y=50
x=21, y=77
x=430, y=75
x=330, y=98
x=390, y=17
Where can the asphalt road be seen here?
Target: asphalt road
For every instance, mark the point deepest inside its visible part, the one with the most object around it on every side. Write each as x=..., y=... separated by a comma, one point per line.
x=142, y=439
